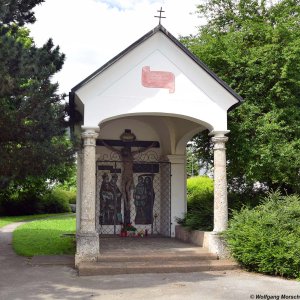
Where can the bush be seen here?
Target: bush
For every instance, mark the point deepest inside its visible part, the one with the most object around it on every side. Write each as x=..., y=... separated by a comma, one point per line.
x=57, y=201
x=34, y=196
x=22, y=198
x=200, y=202
x=28, y=204
x=200, y=197
x=69, y=195
x=267, y=238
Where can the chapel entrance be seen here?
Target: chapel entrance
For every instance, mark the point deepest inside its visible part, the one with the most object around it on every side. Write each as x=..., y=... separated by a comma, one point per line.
x=149, y=207
x=163, y=93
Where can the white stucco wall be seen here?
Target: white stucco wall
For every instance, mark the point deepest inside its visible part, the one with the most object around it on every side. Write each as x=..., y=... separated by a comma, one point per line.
x=118, y=90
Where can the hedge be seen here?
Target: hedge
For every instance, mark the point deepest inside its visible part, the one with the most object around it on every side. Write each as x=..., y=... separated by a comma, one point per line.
x=266, y=238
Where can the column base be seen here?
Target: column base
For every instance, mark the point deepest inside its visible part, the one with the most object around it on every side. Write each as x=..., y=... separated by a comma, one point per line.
x=217, y=245
x=87, y=247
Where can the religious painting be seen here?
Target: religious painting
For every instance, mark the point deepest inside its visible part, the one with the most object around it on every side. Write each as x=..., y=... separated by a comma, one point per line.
x=110, y=200
x=144, y=196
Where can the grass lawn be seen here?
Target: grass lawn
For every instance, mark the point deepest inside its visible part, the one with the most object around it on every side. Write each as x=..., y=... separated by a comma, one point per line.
x=7, y=220
x=45, y=237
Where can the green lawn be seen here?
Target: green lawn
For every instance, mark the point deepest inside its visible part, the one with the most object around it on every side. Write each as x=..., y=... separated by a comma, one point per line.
x=45, y=237
x=7, y=220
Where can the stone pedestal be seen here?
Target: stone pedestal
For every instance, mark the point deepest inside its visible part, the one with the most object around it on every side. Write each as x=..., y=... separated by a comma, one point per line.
x=87, y=247
x=217, y=245
x=220, y=184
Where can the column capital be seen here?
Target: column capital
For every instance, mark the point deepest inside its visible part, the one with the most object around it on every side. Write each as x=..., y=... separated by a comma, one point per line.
x=219, y=140
x=89, y=136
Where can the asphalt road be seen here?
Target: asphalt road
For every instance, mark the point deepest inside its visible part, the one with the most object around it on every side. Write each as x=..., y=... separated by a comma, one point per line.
x=21, y=280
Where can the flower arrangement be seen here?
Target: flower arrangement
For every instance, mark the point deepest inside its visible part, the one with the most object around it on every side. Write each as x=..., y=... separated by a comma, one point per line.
x=127, y=228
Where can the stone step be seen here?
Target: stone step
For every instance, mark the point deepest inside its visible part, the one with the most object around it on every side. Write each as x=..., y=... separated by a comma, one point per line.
x=157, y=266
x=183, y=256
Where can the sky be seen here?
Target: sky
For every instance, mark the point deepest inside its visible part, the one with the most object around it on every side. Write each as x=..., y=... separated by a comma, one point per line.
x=91, y=32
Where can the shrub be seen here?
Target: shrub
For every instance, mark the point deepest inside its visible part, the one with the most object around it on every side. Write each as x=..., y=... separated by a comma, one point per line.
x=22, y=198
x=199, y=203
x=28, y=204
x=267, y=238
x=58, y=200
x=69, y=195
x=200, y=206
x=34, y=196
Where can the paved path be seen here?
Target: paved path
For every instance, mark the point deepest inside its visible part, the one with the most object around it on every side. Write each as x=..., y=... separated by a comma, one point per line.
x=20, y=280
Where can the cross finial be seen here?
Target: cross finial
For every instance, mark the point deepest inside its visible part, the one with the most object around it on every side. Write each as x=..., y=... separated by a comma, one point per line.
x=160, y=16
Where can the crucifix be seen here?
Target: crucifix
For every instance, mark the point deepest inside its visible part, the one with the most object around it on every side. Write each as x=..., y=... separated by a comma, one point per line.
x=127, y=157
x=160, y=16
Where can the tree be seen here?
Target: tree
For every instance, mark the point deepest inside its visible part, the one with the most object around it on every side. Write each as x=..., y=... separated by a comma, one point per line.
x=17, y=12
x=192, y=161
x=33, y=117
x=255, y=47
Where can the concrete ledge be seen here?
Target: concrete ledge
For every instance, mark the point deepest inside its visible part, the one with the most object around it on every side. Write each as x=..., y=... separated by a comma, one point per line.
x=196, y=237
x=207, y=239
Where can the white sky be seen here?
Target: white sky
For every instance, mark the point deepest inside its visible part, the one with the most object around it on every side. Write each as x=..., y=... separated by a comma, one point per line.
x=91, y=32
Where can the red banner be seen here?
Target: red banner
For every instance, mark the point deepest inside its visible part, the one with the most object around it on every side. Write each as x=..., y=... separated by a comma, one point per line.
x=158, y=79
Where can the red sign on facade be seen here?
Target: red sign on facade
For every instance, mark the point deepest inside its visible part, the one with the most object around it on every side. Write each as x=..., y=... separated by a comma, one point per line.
x=158, y=79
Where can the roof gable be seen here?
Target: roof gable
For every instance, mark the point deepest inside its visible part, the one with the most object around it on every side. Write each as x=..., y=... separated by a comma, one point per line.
x=144, y=38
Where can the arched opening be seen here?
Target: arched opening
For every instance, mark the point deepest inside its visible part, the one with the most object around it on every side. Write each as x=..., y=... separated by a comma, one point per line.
x=157, y=195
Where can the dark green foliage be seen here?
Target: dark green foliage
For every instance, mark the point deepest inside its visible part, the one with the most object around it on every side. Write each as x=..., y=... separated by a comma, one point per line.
x=17, y=11
x=266, y=239
x=27, y=205
x=33, y=144
x=33, y=196
x=246, y=198
x=22, y=197
x=32, y=125
x=255, y=48
x=57, y=201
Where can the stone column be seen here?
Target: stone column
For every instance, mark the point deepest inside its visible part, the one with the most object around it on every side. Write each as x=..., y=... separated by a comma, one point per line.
x=88, y=239
x=79, y=191
x=220, y=183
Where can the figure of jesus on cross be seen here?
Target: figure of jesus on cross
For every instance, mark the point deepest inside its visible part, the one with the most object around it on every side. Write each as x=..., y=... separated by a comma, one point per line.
x=127, y=157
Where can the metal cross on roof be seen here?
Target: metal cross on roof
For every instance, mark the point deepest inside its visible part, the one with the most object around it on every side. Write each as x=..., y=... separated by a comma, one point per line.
x=160, y=16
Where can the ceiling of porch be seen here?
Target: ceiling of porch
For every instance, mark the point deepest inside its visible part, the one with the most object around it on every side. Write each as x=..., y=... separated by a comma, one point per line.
x=172, y=132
